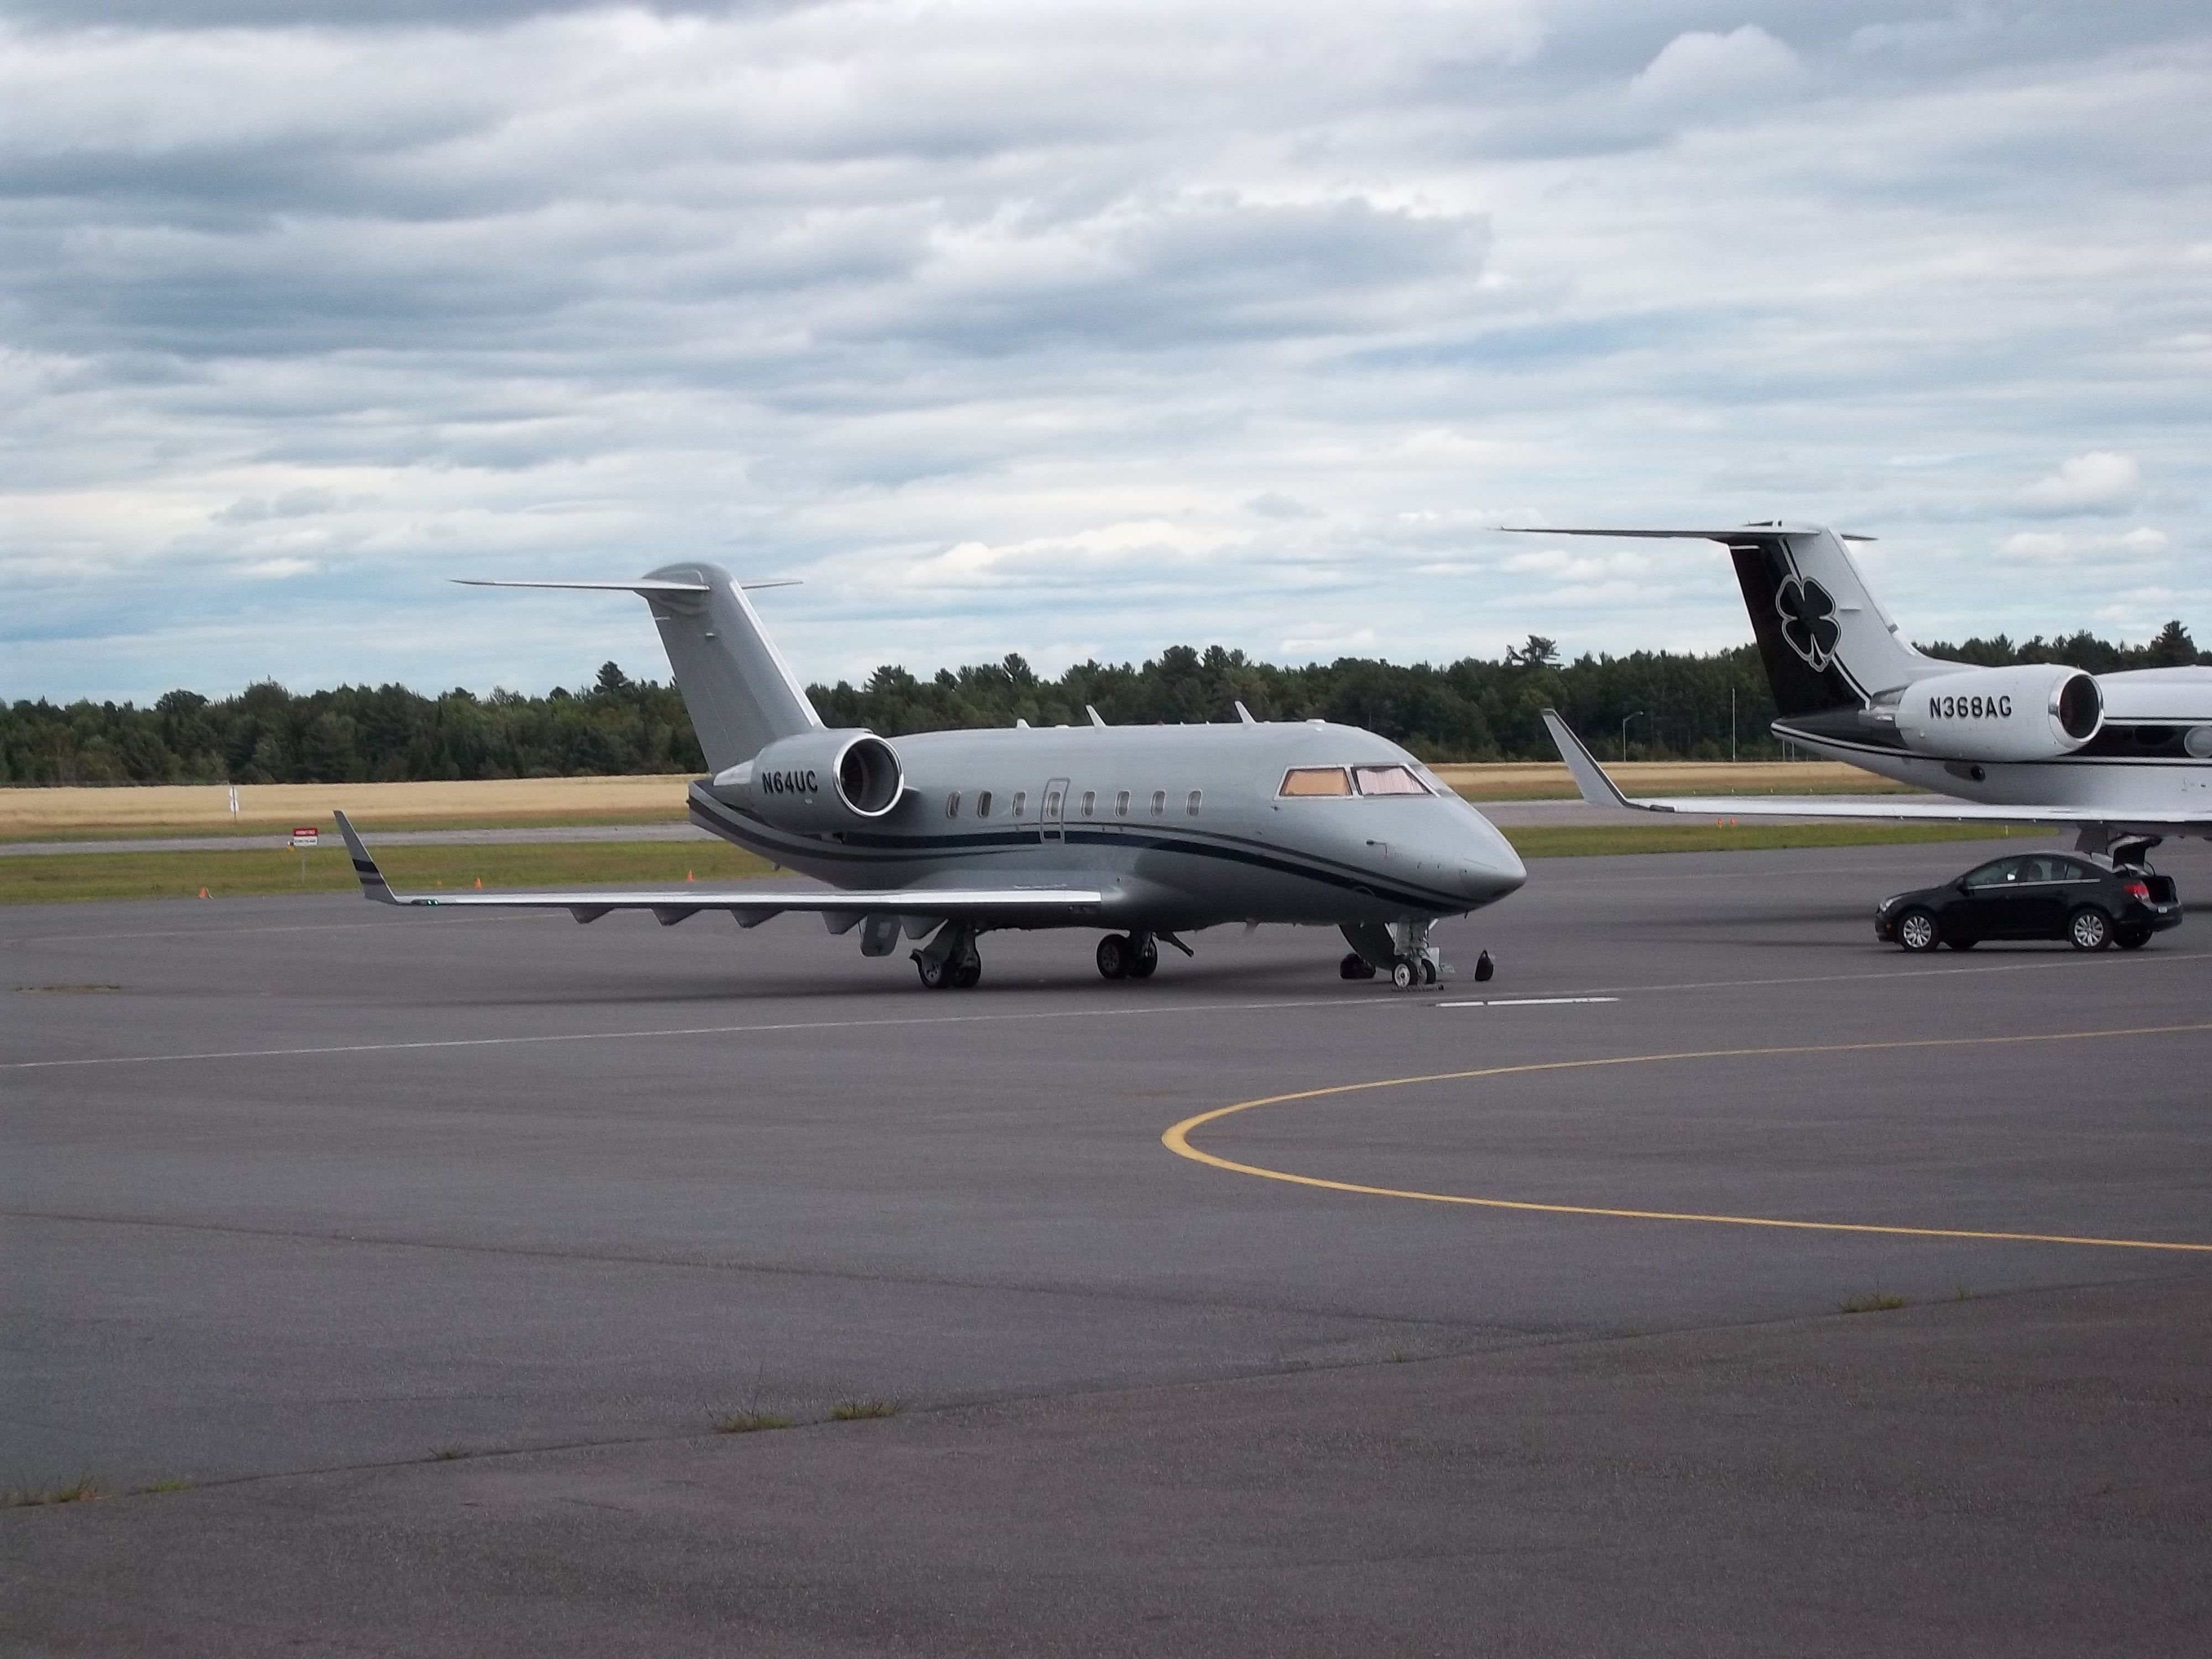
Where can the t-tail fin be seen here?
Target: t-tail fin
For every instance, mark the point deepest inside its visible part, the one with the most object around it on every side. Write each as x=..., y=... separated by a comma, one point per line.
x=1823, y=637
x=741, y=694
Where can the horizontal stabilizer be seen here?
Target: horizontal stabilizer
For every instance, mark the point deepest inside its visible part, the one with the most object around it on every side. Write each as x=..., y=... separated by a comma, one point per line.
x=1733, y=533
x=643, y=585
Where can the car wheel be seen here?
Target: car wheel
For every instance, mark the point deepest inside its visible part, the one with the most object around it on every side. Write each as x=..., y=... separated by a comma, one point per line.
x=2131, y=939
x=2091, y=929
x=1917, y=930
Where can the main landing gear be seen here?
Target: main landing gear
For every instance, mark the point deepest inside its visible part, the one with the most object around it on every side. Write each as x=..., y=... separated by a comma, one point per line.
x=950, y=961
x=1127, y=955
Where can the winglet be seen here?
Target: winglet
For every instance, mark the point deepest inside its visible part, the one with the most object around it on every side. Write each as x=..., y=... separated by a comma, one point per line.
x=373, y=884
x=1597, y=789
x=1244, y=716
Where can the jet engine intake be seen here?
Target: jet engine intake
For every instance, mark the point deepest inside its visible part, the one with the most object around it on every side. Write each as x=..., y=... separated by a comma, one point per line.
x=818, y=781
x=2039, y=711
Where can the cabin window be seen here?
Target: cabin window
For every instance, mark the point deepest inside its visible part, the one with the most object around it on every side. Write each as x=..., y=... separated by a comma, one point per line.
x=1021, y=801
x=1388, y=780
x=1316, y=780
x=1122, y=805
x=1160, y=802
x=982, y=803
x=1191, y=805
x=952, y=804
x=1090, y=802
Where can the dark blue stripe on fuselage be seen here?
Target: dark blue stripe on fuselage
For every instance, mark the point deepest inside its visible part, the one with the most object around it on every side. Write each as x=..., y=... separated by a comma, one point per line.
x=883, y=848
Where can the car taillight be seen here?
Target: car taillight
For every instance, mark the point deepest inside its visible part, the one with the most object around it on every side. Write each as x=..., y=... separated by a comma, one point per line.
x=2137, y=889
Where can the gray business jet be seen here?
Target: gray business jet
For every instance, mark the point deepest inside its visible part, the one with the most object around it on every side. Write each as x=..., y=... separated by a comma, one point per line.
x=1146, y=832
x=2111, y=756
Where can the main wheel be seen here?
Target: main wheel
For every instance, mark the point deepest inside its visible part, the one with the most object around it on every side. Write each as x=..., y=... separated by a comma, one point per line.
x=1145, y=960
x=965, y=976
x=2131, y=939
x=936, y=973
x=1917, y=930
x=1428, y=971
x=1354, y=966
x=2090, y=929
x=1113, y=956
x=1404, y=976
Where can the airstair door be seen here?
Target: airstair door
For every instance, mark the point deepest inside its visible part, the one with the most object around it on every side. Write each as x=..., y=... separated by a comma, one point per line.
x=1053, y=813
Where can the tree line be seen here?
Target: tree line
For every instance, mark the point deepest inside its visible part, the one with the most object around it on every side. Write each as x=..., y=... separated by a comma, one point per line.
x=1649, y=704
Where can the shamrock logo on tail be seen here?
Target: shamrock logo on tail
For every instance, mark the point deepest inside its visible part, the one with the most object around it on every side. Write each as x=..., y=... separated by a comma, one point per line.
x=1809, y=620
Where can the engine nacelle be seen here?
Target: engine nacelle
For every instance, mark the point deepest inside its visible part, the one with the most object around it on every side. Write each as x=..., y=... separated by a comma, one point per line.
x=818, y=781
x=2036, y=712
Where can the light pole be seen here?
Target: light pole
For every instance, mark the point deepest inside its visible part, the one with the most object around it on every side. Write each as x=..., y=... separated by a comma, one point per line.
x=1637, y=715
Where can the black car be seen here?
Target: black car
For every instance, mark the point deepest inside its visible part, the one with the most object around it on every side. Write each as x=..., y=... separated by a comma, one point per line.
x=2090, y=901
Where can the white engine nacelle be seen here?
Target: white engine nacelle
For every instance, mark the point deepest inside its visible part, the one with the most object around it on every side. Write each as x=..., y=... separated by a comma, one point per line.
x=2036, y=712
x=818, y=781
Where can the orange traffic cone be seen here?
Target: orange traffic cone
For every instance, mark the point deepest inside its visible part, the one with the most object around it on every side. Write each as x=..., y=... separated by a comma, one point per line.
x=688, y=876
x=203, y=892
x=479, y=881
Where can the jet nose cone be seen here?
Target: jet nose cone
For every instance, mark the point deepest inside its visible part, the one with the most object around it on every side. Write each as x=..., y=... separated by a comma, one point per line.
x=1486, y=882
x=1493, y=869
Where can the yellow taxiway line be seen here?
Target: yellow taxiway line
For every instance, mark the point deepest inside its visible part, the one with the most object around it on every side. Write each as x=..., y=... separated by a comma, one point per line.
x=1177, y=1140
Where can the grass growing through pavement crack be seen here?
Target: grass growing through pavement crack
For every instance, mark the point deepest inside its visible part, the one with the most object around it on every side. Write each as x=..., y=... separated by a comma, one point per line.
x=751, y=1422
x=853, y=1411
x=1878, y=1302
x=82, y=1490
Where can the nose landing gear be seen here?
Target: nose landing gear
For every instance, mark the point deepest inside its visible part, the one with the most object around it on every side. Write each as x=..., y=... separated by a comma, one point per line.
x=1401, y=949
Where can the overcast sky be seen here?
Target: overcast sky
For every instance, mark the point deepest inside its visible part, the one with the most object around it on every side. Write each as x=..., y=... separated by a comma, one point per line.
x=1080, y=330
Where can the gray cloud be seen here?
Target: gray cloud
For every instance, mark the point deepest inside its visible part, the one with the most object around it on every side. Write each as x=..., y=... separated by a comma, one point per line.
x=1081, y=332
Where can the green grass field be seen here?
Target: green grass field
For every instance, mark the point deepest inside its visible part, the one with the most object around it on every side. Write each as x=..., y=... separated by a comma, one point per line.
x=65, y=877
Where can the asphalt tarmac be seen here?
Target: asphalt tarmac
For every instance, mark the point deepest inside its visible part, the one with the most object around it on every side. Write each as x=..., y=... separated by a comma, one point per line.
x=428, y=1248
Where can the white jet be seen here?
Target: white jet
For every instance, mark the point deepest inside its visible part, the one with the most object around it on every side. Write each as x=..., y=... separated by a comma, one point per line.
x=2113, y=757
x=1141, y=832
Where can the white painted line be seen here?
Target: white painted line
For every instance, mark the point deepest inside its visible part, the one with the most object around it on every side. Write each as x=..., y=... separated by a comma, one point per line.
x=1524, y=1002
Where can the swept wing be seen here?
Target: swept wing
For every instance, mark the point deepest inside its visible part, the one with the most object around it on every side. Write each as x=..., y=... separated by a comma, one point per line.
x=1599, y=790
x=842, y=908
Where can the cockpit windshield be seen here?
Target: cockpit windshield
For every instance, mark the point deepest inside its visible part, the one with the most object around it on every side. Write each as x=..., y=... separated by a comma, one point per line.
x=1387, y=780
x=1316, y=780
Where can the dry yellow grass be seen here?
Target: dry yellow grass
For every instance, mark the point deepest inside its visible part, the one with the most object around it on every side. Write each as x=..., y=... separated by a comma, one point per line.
x=40, y=814
x=30, y=814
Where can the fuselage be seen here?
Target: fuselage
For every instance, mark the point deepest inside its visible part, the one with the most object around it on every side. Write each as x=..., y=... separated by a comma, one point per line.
x=1182, y=826
x=2152, y=755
